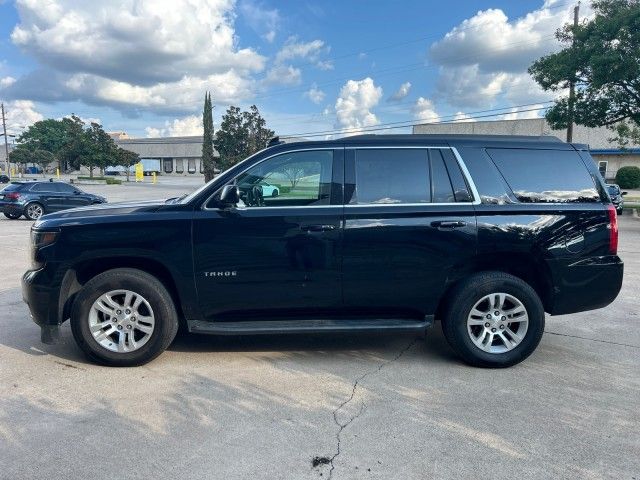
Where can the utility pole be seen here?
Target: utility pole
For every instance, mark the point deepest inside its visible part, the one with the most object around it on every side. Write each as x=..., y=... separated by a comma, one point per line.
x=6, y=140
x=572, y=85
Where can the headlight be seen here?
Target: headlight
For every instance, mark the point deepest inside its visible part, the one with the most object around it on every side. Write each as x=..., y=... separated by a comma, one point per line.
x=40, y=240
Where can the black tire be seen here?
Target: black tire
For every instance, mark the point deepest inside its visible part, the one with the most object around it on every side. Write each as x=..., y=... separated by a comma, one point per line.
x=464, y=297
x=12, y=216
x=166, y=318
x=27, y=211
x=619, y=211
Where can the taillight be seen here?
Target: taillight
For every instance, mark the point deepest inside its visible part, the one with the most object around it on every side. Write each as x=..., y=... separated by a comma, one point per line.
x=613, y=229
x=12, y=196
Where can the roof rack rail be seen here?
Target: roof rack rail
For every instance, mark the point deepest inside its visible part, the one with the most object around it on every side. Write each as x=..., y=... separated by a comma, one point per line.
x=274, y=141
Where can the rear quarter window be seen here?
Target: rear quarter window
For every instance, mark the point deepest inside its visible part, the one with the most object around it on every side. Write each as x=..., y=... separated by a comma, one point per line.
x=545, y=176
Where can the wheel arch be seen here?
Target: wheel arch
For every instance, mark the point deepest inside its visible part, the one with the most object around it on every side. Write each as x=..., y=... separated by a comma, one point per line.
x=525, y=266
x=83, y=271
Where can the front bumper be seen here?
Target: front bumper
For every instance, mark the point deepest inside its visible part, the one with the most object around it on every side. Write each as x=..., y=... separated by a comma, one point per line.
x=586, y=284
x=42, y=299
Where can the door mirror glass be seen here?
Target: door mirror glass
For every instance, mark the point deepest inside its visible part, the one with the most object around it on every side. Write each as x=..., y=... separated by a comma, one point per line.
x=230, y=195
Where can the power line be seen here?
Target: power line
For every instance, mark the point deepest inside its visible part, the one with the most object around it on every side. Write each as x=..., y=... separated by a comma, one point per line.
x=390, y=126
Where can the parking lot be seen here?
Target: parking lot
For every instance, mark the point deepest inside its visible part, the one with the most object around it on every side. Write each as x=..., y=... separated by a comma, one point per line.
x=320, y=406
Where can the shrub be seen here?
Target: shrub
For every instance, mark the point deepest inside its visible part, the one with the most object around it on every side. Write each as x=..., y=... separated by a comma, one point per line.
x=113, y=181
x=628, y=177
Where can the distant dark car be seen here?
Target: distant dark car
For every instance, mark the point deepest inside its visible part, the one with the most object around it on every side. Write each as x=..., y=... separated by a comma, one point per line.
x=616, y=197
x=34, y=199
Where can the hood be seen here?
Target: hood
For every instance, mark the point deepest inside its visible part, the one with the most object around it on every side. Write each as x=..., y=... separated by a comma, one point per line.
x=102, y=213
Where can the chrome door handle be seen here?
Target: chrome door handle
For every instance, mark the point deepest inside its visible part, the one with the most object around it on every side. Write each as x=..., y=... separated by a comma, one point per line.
x=317, y=228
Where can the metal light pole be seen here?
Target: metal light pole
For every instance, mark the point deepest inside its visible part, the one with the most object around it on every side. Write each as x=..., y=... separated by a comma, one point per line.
x=6, y=141
x=572, y=85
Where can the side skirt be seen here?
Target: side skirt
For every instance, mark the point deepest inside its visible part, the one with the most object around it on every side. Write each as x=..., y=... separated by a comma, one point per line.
x=269, y=327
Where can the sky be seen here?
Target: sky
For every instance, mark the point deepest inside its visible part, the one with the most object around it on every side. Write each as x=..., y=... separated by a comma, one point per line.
x=314, y=68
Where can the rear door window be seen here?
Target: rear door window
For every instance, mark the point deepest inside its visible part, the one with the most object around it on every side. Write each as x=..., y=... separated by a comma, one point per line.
x=545, y=176
x=390, y=176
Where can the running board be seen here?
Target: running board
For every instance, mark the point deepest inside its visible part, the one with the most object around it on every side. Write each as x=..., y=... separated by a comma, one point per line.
x=270, y=327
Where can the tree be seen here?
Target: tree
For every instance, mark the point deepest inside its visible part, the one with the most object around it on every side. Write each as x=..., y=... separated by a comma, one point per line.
x=59, y=137
x=241, y=134
x=208, y=160
x=602, y=58
x=20, y=156
x=69, y=154
x=98, y=149
x=127, y=159
x=43, y=159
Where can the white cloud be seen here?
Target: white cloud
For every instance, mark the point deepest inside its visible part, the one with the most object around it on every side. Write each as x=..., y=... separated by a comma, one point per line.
x=7, y=81
x=261, y=19
x=424, y=111
x=20, y=114
x=402, y=92
x=535, y=111
x=462, y=117
x=86, y=120
x=283, y=75
x=325, y=65
x=179, y=127
x=354, y=104
x=315, y=94
x=292, y=49
x=125, y=53
x=487, y=55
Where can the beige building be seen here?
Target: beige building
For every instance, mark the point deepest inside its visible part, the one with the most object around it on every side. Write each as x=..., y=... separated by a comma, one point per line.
x=607, y=154
x=175, y=155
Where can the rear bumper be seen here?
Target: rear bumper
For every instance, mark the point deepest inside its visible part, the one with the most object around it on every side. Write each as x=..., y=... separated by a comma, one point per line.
x=585, y=284
x=11, y=207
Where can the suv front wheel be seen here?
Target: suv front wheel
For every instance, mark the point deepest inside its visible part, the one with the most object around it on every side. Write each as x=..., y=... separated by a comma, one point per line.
x=123, y=317
x=494, y=320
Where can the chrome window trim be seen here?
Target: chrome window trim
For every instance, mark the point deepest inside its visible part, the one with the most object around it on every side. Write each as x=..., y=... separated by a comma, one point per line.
x=461, y=164
x=204, y=205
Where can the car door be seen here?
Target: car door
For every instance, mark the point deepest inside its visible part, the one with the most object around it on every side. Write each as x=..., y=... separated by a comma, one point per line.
x=48, y=195
x=273, y=256
x=409, y=222
x=73, y=197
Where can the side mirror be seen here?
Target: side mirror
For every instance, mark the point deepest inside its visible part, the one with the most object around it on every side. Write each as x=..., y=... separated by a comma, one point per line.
x=624, y=193
x=77, y=192
x=230, y=195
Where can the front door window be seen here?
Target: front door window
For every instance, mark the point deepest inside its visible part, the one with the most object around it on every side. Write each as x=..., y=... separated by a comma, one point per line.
x=288, y=179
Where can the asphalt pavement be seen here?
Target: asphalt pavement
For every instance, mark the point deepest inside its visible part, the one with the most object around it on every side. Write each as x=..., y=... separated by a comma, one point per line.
x=310, y=407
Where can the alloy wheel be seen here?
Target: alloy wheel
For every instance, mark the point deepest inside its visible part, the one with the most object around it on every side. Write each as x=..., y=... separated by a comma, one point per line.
x=497, y=323
x=121, y=321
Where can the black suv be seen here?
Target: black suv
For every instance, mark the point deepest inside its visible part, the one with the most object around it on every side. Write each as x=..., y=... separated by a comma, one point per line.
x=367, y=233
x=34, y=199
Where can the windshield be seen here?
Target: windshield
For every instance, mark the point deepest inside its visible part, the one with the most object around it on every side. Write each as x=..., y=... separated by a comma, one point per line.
x=613, y=189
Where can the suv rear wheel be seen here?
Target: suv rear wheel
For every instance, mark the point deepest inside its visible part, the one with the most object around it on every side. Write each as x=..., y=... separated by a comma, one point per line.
x=123, y=317
x=33, y=211
x=493, y=320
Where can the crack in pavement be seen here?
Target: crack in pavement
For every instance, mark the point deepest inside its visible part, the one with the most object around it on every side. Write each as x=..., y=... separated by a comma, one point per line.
x=592, y=339
x=342, y=426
